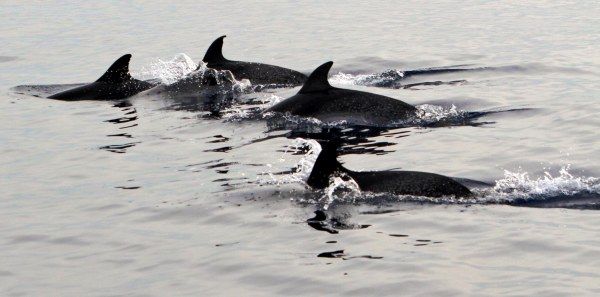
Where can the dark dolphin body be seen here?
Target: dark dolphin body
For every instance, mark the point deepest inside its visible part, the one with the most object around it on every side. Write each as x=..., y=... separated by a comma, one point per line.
x=318, y=99
x=257, y=73
x=116, y=83
x=393, y=182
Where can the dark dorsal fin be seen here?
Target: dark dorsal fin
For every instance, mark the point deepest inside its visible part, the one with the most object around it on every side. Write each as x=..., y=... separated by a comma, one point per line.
x=317, y=80
x=325, y=165
x=118, y=71
x=214, y=54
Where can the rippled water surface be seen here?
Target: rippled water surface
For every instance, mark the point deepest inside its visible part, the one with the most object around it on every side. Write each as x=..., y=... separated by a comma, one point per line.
x=160, y=197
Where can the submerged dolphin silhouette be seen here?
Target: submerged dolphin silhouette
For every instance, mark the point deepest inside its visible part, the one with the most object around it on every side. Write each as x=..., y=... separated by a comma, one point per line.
x=318, y=99
x=116, y=83
x=393, y=182
x=257, y=73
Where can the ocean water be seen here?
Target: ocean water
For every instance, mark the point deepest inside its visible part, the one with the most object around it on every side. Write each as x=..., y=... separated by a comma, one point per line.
x=161, y=197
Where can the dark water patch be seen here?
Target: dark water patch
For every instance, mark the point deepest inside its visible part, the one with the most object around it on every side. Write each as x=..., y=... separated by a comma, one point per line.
x=331, y=223
x=126, y=135
x=219, y=165
x=380, y=211
x=332, y=254
x=118, y=148
x=229, y=179
x=343, y=256
x=69, y=240
x=28, y=238
x=224, y=149
x=219, y=138
x=4, y=59
x=398, y=235
x=128, y=187
x=363, y=257
x=121, y=120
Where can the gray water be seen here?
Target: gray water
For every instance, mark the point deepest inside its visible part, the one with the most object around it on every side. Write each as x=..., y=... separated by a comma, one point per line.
x=147, y=199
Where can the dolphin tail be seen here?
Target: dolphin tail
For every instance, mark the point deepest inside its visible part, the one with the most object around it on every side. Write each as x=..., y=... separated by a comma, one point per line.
x=325, y=165
x=118, y=71
x=317, y=80
x=214, y=54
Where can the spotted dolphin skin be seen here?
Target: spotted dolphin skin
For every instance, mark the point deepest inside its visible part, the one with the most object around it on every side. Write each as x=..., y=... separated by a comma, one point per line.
x=318, y=99
x=394, y=182
x=116, y=83
x=257, y=73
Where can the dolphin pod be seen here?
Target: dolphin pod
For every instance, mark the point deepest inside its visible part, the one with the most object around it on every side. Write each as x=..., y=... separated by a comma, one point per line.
x=315, y=99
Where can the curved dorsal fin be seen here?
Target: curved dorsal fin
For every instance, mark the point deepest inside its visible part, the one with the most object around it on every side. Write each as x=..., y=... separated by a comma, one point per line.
x=214, y=54
x=317, y=80
x=118, y=71
x=325, y=165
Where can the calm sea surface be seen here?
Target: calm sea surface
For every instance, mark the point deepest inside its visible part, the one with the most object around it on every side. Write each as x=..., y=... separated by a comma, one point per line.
x=153, y=197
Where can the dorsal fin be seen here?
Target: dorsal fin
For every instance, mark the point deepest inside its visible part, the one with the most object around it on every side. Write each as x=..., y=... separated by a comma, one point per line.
x=118, y=71
x=214, y=54
x=317, y=80
x=325, y=165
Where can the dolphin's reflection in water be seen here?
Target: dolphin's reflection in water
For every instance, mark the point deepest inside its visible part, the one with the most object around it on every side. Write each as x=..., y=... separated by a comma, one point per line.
x=126, y=121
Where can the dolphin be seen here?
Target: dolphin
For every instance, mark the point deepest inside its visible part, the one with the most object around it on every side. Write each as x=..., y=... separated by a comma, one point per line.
x=116, y=83
x=257, y=73
x=394, y=182
x=198, y=83
x=318, y=99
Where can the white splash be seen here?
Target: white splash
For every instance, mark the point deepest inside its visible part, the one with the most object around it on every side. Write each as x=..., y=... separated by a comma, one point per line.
x=340, y=188
x=519, y=185
x=169, y=71
x=303, y=167
x=436, y=113
x=386, y=78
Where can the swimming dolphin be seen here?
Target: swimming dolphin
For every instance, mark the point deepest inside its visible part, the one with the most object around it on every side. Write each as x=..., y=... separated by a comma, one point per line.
x=257, y=73
x=318, y=99
x=393, y=182
x=116, y=83
x=198, y=83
